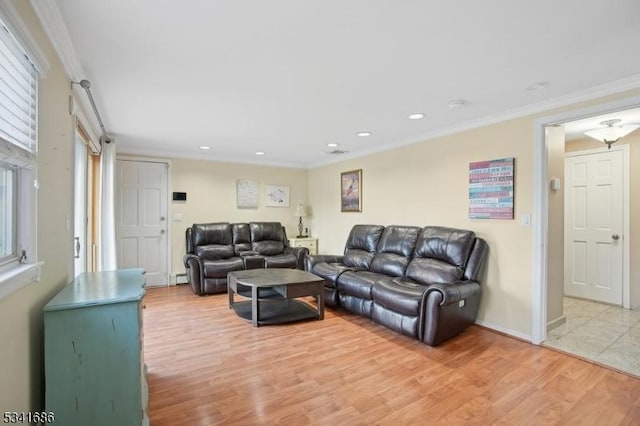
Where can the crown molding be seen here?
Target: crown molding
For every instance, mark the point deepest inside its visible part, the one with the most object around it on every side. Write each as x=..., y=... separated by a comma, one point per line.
x=216, y=157
x=55, y=28
x=611, y=88
x=548, y=105
x=51, y=20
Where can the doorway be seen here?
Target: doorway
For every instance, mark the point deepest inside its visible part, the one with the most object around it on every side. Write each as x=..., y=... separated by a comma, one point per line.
x=594, y=212
x=541, y=193
x=85, y=189
x=601, y=332
x=141, y=217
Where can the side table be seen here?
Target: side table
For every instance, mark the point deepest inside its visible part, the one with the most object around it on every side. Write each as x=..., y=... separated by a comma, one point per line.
x=308, y=242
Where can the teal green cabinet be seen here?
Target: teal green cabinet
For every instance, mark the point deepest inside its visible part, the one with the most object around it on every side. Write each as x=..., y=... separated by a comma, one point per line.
x=94, y=364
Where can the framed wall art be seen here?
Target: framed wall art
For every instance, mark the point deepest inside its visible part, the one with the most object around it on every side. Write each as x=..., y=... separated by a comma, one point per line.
x=247, y=194
x=276, y=196
x=351, y=191
x=491, y=189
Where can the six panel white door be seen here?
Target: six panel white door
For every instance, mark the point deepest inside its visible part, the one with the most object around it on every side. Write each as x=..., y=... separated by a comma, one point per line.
x=593, y=226
x=141, y=217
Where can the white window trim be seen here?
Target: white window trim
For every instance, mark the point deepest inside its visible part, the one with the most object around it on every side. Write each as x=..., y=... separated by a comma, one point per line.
x=18, y=277
x=15, y=275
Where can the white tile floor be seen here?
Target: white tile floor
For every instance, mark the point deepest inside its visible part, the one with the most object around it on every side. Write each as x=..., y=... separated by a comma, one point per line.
x=606, y=334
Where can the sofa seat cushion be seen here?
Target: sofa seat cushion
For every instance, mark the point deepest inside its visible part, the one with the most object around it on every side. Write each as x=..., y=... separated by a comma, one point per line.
x=220, y=268
x=281, y=261
x=358, y=283
x=330, y=272
x=399, y=295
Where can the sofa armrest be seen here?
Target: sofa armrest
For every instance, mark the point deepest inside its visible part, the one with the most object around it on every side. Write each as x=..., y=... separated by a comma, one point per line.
x=248, y=253
x=300, y=253
x=195, y=272
x=454, y=293
x=313, y=259
x=448, y=310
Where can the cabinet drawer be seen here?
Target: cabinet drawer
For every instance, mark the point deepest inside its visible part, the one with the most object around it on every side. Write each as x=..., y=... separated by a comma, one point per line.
x=310, y=243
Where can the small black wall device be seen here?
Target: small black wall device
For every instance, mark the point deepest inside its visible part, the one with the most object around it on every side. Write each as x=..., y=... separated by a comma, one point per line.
x=179, y=196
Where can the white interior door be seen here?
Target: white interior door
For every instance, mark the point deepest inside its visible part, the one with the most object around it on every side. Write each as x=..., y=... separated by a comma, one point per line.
x=141, y=218
x=594, y=217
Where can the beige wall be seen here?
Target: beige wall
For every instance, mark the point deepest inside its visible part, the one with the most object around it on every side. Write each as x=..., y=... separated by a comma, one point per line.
x=427, y=184
x=633, y=140
x=211, y=197
x=555, y=230
x=21, y=330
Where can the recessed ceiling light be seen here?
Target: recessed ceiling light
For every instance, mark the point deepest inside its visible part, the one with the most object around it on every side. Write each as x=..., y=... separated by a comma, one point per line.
x=332, y=145
x=364, y=134
x=458, y=103
x=537, y=86
x=259, y=153
x=416, y=116
x=204, y=147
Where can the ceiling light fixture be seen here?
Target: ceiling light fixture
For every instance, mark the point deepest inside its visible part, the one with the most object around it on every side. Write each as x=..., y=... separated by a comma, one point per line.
x=332, y=145
x=416, y=116
x=364, y=134
x=259, y=153
x=204, y=147
x=458, y=103
x=612, y=132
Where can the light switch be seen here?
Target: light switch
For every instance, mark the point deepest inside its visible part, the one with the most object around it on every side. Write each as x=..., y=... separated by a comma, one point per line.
x=525, y=219
x=177, y=217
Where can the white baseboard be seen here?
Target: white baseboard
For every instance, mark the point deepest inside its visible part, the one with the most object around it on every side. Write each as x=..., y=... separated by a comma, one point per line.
x=504, y=330
x=556, y=323
x=179, y=278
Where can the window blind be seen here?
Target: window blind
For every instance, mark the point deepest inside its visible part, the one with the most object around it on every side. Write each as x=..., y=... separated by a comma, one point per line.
x=18, y=94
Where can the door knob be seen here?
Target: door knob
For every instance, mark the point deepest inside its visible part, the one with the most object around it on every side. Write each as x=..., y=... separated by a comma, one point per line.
x=162, y=218
x=162, y=231
x=615, y=237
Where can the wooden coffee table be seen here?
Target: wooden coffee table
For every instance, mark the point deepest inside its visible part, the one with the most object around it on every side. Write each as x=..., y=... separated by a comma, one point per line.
x=273, y=294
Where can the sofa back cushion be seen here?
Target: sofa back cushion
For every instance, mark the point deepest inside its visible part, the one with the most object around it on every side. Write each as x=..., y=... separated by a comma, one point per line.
x=212, y=241
x=394, y=250
x=241, y=237
x=440, y=255
x=268, y=238
x=361, y=245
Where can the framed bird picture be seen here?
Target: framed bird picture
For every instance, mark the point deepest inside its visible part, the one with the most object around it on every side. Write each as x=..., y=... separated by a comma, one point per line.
x=351, y=191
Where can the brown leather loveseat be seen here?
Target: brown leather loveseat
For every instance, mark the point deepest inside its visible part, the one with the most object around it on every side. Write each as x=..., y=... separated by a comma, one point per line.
x=215, y=249
x=421, y=282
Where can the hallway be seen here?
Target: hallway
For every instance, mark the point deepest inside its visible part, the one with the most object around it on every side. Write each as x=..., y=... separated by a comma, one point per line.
x=609, y=335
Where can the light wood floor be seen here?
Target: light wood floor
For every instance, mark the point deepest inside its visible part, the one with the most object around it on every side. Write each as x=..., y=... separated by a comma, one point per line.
x=209, y=367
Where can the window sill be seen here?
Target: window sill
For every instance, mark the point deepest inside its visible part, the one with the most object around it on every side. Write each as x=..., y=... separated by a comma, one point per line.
x=18, y=277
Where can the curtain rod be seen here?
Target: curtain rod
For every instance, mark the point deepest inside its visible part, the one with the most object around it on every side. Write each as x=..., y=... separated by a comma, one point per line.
x=86, y=85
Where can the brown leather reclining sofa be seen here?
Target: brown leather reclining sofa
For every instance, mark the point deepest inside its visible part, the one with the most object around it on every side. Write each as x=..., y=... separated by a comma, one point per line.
x=421, y=282
x=214, y=249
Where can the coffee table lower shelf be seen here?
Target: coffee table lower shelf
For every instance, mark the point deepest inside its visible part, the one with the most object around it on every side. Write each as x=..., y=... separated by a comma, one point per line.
x=277, y=311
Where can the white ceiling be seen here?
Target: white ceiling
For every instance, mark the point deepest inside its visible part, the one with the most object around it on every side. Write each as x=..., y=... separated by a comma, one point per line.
x=287, y=77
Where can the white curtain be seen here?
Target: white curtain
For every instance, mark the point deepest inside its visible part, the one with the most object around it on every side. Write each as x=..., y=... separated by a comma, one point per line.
x=107, y=260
